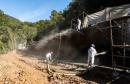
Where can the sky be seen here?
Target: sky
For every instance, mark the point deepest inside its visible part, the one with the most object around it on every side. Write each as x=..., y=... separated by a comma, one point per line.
x=32, y=10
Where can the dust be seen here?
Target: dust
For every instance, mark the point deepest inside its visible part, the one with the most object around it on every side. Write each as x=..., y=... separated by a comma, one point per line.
x=44, y=41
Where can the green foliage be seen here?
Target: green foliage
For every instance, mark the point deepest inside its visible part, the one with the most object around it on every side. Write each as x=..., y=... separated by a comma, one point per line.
x=29, y=33
x=56, y=17
x=14, y=32
x=46, y=27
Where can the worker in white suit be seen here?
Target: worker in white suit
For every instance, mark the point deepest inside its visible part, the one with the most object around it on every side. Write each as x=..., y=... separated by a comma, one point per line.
x=49, y=56
x=79, y=24
x=49, y=59
x=91, y=55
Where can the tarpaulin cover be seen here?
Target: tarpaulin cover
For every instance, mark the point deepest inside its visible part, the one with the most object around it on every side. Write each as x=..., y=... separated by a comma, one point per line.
x=103, y=15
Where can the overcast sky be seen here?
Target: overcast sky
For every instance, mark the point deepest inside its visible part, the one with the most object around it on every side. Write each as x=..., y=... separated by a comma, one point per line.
x=32, y=10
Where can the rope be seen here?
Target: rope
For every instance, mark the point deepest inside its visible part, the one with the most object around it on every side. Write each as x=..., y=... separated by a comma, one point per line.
x=58, y=51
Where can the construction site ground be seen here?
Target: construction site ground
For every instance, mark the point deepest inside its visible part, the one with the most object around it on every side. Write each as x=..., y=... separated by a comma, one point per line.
x=19, y=69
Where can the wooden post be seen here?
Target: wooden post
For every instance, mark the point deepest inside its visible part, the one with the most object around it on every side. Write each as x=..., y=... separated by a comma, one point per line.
x=111, y=39
x=83, y=15
x=124, y=53
x=59, y=46
x=71, y=24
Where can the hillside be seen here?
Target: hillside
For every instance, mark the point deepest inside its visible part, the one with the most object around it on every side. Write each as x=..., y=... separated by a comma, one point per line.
x=14, y=32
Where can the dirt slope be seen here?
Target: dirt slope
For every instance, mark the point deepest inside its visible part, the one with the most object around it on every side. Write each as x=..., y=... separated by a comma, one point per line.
x=14, y=71
x=18, y=69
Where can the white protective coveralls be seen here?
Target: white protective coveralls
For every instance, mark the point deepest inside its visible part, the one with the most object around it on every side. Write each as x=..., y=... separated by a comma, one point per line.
x=79, y=24
x=49, y=56
x=91, y=55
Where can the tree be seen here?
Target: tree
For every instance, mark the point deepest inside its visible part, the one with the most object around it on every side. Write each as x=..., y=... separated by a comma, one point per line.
x=56, y=17
x=77, y=7
x=29, y=33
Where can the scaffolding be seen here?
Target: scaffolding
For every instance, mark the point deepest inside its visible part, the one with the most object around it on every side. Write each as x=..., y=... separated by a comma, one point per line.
x=119, y=42
x=118, y=33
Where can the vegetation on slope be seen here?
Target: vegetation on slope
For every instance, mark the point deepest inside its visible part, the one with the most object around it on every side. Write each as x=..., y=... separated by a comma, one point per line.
x=14, y=32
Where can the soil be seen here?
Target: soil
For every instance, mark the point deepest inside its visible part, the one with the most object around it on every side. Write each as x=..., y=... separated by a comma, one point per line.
x=18, y=69
x=102, y=75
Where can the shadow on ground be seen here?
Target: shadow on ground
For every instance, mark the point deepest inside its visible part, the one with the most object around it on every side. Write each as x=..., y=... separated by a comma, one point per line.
x=105, y=76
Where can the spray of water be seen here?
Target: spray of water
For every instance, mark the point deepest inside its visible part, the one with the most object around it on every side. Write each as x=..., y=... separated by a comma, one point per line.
x=45, y=40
